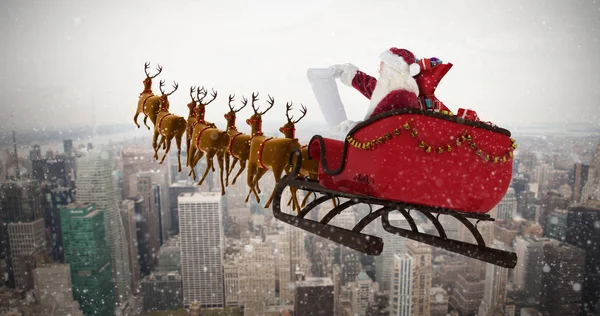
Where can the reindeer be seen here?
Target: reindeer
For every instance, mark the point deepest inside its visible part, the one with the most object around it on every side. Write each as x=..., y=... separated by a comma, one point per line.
x=239, y=146
x=270, y=153
x=168, y=126
x=234, y=136
x=191, y=121
x=209, y=140
x=310, y=167
x=195, y=116
x=199, y=111
x=147, y=93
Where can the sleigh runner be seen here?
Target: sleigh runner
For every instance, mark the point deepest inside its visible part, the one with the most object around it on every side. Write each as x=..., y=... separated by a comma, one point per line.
x=403, y=161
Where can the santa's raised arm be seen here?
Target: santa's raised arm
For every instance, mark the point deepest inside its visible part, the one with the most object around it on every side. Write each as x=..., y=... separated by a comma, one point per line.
x=394, y=89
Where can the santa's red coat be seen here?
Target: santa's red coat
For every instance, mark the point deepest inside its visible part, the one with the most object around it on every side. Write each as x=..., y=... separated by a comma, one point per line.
x=397, y=99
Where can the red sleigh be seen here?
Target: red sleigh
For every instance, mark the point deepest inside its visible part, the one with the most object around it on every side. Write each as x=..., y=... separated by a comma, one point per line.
x=409, y=160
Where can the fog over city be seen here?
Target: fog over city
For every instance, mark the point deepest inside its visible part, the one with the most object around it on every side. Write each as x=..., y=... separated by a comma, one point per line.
x=515, y=62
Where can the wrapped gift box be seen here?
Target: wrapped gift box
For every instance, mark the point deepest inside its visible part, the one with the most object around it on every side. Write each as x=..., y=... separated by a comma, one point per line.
x=467, y=114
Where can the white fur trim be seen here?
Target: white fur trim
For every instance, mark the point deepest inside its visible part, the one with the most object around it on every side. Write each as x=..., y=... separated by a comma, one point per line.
x=348, y=74
x=414, y=69
x=398, y=63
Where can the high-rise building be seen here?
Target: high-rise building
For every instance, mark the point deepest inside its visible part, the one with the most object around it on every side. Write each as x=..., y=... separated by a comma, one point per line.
x=578, y=179
x=363, y=293
x=128, y=218
x=421, y=278
x=591, y=190
x=393, y=244
x=174, y=190
x=562, y=279
x=583, y=232
x=162, y=291
x=314, y=296
x=468, y=293
x=95, y=184
x=68, y=146
x=20, y=201
x=25, y=238
x=527, y=273
x=87, y=252
x=507, y=208
x=52, y=284
x=202, y=252
x=494, y=294
x=401, y=287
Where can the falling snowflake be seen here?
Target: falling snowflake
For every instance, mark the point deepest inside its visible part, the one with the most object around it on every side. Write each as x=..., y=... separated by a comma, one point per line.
x=546, y=268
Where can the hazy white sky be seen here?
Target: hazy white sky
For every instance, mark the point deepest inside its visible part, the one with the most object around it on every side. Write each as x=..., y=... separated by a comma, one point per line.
x=514, y=61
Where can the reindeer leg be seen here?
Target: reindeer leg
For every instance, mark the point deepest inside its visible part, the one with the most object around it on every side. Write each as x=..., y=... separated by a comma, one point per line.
x=232, y=165
x=259, y=174
x=209, y=165
x=242, y=167
x=178, y=142
x=252, y=169
x=199, y=154
x=220, y=157
x=188, y=140
x=277, y=174
x=167, y=150
x=226, y=158
x=146, y=118
x=154, y=145
x=190, y=158
x=135, y=117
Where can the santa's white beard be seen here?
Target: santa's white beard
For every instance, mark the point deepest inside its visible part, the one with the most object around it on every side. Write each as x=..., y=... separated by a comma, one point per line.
x=388, y=81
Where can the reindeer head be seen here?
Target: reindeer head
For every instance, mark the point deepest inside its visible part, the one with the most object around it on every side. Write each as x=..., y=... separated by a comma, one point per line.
x=201, y=105
x=192, y=105
x=148, y=80
x=255, y=121
x=164, y=98
x=289, y=128
x=230, y=116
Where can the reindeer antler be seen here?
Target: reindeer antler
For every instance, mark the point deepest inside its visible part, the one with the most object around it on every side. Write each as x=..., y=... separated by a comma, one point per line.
x=303, y=110
x=232, y=107
x=244, y=102
x=147, y=65
x=192, y=89
x=175, y=86
x=161, y=85
x=271, y=102
x=254, y=99
x=231, y=99
x=204, y=92
x=201, y=91
x=214, y=95
x=288, y=108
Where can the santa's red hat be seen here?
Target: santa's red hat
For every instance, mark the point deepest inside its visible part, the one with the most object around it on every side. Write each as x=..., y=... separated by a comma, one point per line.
x=401, y=60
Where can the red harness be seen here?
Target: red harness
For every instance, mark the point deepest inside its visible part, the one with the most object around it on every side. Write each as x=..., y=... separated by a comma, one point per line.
x=231, y=143
x=260, y=152
x=160, y=123
x=199, y=135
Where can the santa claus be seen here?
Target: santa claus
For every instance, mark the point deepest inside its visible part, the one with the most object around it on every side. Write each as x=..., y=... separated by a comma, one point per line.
x=394, y=89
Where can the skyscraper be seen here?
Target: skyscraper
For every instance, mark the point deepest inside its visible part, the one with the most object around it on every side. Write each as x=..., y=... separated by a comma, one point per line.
x=202, y=252
x=86, y=251
x=591, y=190
x=95, y=184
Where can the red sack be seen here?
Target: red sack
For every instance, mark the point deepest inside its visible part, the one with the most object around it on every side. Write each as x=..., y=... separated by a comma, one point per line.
x=428, y=79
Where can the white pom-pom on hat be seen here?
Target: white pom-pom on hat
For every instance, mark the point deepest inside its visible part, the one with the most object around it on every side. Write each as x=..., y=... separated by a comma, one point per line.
x=401, y=60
